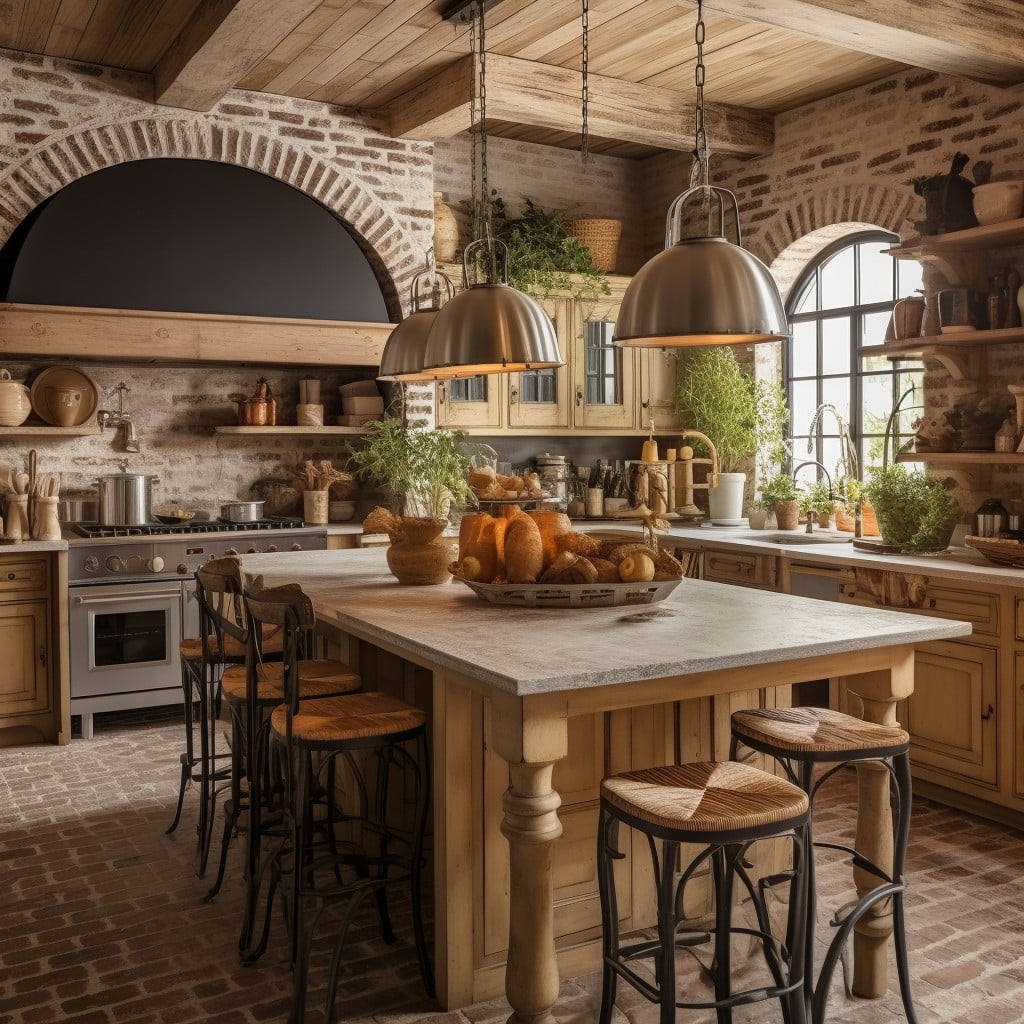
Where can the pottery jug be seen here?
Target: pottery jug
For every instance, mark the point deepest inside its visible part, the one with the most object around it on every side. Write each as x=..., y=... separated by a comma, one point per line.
x=446, y=230
x=65, y=405
x=420, y=557
x=15, y=401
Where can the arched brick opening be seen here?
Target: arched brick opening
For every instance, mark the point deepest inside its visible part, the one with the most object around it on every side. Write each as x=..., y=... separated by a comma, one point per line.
x=74, y=154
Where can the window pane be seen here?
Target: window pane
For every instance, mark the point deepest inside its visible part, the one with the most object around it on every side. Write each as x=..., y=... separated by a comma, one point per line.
x=805, y=401
x=835, y=345
x=837, y=280
x=603, y=364
x=910, y=277
x=832, y=457
x=873, y=326
x=538, y=387
x=876, y=402
x=836, y=391
x=468, y=389
x=876, y=273
x=803, y=351
x=808, y=300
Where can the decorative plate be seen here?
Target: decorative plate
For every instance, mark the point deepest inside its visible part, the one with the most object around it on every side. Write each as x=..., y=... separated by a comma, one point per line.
x=69, y=378
x=573, y=595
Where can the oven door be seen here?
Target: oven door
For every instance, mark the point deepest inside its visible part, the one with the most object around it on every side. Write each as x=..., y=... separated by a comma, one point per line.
x=125, y=637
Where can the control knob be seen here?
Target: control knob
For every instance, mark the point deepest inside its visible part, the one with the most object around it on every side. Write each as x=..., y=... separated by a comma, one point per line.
x=296, y=546
x=92, y=563
x=114, y=564
x=231, y=551
x=182, y=569
x=250, y=551
x=155, y=564
x=271, y=547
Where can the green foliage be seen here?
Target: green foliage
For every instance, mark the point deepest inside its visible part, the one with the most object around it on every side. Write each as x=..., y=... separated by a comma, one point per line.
x=914, y=511
x=542, y=258
x=422, y=469
x=781, y=487
x=744, y=417
x=819, y=498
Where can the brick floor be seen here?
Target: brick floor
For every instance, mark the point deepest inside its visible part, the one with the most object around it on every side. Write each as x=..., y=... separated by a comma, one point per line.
x=103, y=921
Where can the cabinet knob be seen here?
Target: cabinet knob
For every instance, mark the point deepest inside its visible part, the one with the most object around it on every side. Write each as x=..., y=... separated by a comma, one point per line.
x=12, y=576
x=440, y=393
x=579, y=394
x=986, y=715
x=513, y=395
x=42, y=656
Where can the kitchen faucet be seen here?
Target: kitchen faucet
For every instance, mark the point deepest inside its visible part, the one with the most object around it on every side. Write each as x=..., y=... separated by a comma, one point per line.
x=811, y=514
x=120, y=419
x=849, y=454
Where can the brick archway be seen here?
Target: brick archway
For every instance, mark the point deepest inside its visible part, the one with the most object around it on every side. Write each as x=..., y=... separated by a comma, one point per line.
x=797, y=233
x=71, y=155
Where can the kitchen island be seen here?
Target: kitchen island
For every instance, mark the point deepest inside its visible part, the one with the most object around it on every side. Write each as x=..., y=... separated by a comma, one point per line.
x=538, y=671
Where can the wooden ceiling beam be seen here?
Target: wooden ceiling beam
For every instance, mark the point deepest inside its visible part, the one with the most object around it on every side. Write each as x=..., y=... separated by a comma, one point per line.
x=983, y=41
x=219, y=45
x=545, y=96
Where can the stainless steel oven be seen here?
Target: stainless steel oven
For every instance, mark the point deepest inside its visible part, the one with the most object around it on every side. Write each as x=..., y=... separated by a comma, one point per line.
x=132, y=600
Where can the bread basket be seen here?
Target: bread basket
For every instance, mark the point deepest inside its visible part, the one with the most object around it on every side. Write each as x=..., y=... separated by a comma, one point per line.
x=573, y=595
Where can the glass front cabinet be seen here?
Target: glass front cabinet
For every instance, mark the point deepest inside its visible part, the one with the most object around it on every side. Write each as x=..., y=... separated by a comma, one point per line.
x=601, y=387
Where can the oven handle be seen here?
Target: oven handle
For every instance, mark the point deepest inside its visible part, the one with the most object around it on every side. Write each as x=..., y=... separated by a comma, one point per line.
x=152, y=595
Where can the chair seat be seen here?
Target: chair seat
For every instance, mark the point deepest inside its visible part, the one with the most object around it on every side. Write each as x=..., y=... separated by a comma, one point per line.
x=707, y=796
x=338, y=719
x=192, y=649
x=316, y=679
x=815, y=730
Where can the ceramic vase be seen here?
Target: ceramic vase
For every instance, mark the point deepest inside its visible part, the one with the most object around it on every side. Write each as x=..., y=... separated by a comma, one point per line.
x=446, y=230
x=315, y=507
x=420, y=557
x=725, y=502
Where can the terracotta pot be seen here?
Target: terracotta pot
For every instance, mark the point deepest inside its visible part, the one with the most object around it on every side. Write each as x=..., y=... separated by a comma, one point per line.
x=787, y=514
x=421, y=557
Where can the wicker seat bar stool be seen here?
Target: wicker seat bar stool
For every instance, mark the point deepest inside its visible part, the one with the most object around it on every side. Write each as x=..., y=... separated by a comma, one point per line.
x=251, y=690
x=375, y=852
x=723, y=807
x=802, y=739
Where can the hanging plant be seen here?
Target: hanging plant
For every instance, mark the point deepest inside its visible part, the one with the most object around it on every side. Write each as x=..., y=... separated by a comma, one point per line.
x=542, y=259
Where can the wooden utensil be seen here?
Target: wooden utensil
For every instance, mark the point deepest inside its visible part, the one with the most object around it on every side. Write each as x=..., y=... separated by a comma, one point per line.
x=21, y=482
x=32, y=471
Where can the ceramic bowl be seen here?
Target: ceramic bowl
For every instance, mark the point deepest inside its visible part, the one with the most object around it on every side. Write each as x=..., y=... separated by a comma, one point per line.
x=340, y=511
x=998, y=201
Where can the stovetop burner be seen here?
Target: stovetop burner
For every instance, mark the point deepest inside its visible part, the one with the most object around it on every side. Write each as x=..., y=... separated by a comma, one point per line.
x=93, y=530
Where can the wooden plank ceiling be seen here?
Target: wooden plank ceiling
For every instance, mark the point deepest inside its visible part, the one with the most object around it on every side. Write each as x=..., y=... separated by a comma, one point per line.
x=765, y=55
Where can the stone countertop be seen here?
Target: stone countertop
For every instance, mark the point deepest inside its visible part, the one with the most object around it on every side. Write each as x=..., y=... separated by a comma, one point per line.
x=32, y=547
x=524, y=651
x=959, y=563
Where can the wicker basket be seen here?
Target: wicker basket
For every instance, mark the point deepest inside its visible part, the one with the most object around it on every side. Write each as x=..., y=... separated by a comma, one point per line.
x=572, y=595
x=998, y=550
x=601, y=237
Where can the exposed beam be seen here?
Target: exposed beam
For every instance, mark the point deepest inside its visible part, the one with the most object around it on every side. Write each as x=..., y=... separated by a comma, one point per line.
x=978, y=39
x=526, y=92
x=219, y=45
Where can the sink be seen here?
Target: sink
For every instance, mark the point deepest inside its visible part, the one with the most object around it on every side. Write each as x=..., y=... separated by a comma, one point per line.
x=799, y=538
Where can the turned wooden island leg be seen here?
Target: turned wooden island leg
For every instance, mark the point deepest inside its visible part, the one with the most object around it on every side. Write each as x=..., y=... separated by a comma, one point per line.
x=878, y=693
x=531, y=744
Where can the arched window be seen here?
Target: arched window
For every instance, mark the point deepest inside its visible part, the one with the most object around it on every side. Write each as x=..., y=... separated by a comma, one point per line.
x=841, y=303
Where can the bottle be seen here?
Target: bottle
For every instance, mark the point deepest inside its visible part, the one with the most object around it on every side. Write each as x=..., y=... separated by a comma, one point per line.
x=996, y=291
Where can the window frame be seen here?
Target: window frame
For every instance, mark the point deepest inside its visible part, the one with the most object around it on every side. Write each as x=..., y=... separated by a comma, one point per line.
x=811, y=275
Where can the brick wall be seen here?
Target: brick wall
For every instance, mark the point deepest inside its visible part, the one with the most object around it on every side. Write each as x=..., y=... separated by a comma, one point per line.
x=554, y=179
x=849, y=161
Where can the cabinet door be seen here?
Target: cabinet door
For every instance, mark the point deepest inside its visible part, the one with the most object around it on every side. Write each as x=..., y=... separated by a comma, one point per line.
x=471, y=401
x=604, y=375
x=24, y=676
x=540, y=398
x=952, y=714
x=658, y=368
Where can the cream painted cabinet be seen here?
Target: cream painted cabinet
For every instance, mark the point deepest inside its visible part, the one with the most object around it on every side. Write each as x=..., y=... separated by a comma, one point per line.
x=540, y=398
x=472, y=402
x=657, y=370
x=604, y=376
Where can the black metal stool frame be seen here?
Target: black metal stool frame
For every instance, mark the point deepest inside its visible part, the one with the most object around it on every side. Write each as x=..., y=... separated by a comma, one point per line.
x=726, y=851
x=896, y=759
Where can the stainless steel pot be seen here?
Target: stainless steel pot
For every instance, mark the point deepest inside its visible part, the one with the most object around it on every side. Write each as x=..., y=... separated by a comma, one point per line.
x=77, y=510
x=242, y=511
x=125, y=499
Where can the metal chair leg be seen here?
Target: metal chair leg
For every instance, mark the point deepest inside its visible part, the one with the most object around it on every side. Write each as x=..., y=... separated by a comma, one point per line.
x=422, y=769
x=188, y=758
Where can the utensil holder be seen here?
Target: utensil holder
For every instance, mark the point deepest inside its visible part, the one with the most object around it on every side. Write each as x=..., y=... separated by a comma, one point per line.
x=17, y=517
x=315, y=507
x=45, y=524
x=595, y=502
x=309, y=415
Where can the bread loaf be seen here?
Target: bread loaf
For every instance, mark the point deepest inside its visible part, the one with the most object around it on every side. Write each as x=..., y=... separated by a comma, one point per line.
x=478, y=541
x=577, y=543
x=636, y=568
x=607, y=572
x=523, y=550
x=551, y=525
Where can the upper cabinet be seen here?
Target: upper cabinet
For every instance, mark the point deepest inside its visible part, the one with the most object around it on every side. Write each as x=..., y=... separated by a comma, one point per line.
x=601, y=387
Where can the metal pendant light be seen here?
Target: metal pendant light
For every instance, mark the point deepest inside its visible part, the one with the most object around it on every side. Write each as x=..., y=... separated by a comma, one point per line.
x=702, y=290
x=489, y=327
x=406, y=346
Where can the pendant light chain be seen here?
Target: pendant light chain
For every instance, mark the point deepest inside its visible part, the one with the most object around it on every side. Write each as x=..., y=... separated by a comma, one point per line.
x=585, y=19
x=473, y=121
x=700, y=138
x=485, y=199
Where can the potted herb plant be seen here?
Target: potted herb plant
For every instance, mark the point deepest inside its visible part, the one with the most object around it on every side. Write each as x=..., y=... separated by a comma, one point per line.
x=819, y=501
x=424, y=473
x=915, y=512
x=783, y=496
x=745, y=417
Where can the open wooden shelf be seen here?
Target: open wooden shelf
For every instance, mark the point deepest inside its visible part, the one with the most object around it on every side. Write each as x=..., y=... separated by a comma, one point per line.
x=966, y=458
x=290, y=431
x=962, y=353
x=989, y=236
x=86, y=430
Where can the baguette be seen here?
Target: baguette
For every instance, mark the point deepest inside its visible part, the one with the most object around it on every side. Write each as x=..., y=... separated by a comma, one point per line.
x=523, y=550
x=552, y=525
